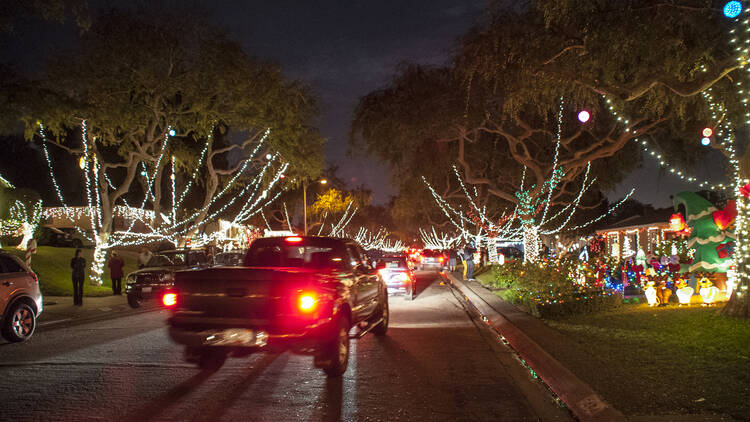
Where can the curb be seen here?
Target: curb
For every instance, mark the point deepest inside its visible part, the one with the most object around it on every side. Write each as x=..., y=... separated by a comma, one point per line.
x=580, y=398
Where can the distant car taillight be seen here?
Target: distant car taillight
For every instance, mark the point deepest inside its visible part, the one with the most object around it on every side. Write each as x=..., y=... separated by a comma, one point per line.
x=307, y=302
x=169, y=299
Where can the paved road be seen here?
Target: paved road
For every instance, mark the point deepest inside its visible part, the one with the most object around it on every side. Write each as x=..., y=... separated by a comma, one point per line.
x=435, y=364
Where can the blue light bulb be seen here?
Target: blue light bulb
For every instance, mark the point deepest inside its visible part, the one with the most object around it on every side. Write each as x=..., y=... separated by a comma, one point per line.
x=172, y=132
x=705, y=141
x=732, y=9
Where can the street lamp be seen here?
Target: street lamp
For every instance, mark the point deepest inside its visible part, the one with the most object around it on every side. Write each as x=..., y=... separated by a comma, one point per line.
x=304, y=200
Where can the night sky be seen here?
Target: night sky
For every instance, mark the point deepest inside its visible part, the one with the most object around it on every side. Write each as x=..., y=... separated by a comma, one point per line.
x=343, y=50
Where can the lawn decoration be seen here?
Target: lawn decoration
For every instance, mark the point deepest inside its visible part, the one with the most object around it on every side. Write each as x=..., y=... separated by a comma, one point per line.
x=650, y=290
x=708, y=291
x=724, y=218
x=662, y=291
x=684, y=291
x=709, y=231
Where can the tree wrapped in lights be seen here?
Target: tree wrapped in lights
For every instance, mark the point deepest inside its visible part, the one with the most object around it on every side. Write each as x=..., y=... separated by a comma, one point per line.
x=434, y=240
x=140, y=90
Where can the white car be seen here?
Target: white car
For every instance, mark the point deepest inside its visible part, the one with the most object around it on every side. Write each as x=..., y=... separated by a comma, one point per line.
x=20, y=299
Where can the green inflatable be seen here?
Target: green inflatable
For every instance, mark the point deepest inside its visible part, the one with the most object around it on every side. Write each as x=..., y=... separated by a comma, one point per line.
x=706, y=236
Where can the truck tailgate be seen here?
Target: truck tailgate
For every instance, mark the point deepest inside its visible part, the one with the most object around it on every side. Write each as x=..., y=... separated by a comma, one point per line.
x=236, y=292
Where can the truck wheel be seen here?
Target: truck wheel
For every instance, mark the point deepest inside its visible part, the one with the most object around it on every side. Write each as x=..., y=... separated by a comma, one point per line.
x=134, y=301
x=410, y=293
x=212, y=359
x=19, y=323
x=334, y=355
x=383, y=313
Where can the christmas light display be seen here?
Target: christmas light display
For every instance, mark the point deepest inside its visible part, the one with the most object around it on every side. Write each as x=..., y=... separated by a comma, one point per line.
x=531, y=216
x=174, y=225
x=433, y=240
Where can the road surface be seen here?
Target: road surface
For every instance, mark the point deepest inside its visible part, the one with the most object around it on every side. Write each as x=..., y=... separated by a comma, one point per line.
x=435, y=364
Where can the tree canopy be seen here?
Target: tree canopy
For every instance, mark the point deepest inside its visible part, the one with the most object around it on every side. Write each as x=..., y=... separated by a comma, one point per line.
x=493, y=111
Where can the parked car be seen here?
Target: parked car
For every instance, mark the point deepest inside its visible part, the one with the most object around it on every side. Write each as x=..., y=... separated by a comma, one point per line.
x=511, y=253
x=158, y=273
x=398, y=276
x=432, y=260
x=229, y=259
x=63, y=238
x=20, y=299
x=301, y=294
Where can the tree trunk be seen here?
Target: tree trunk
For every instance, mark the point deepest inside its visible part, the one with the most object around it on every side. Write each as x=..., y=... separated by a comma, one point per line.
x=530, y=243
x=739, y=303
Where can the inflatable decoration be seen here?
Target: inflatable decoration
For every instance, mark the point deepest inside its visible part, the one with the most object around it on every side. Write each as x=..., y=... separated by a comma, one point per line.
x=684, y=292
x=708, y=291
x=724, y=218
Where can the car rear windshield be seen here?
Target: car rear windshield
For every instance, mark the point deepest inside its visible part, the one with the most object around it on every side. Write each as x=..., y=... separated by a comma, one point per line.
x=280, y=253
x=429, y=252
x=394, y=262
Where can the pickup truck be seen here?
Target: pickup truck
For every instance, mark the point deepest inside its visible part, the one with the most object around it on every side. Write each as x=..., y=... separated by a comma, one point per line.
x=298, y=294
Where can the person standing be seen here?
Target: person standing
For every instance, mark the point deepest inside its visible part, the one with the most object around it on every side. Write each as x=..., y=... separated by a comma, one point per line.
x=469, y=252
x=452, y=260
x=115, y=272
x=78, y=264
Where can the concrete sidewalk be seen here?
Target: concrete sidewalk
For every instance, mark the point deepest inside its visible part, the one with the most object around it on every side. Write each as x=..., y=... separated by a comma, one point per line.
x=60, y=309
x=514, y=326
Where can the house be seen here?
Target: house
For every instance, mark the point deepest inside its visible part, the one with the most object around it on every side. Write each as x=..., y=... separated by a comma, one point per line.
x=623, y=238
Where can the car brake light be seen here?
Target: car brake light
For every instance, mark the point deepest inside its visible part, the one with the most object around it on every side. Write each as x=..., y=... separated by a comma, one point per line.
x=440, y=259
x=307, y=302
x=293, y=239
x=169, y=299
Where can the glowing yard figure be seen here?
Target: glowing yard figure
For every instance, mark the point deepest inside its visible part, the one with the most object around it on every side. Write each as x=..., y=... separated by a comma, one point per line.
x=651, y=294
x=708, y=291
x=684, y=292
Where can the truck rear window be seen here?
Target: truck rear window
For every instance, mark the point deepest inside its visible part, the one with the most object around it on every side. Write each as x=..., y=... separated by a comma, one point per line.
x=301, y=256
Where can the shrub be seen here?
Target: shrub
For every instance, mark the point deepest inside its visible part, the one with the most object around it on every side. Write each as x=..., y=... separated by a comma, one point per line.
x=552, y=289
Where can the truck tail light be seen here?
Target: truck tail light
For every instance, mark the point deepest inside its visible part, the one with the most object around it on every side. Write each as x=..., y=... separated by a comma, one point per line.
x=169, y=299
x=307, y=302
x=441, y=259
x=293, y=239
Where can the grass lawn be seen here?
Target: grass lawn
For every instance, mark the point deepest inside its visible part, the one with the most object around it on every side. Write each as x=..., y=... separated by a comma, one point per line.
x=662, y=360
x=52, y=266
x=485, y=275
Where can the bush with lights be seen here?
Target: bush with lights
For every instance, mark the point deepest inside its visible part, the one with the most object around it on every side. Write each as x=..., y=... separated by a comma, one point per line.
x=554, y=288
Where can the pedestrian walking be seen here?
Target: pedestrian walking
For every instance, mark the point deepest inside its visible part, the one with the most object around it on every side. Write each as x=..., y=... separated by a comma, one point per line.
x=78, y=264
x=115, y=272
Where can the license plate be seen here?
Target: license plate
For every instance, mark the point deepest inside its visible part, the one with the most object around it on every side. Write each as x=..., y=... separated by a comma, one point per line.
x=236, y=337
x=146, y=289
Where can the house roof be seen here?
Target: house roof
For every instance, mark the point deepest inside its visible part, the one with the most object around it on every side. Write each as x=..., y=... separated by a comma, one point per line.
x=659, y=217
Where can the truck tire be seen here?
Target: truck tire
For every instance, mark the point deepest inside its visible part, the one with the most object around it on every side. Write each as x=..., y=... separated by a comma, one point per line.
x=384, y=314
x=19, y=323
x=211, y=359
x=410, y=292
x=134, y=301
x=333, y=357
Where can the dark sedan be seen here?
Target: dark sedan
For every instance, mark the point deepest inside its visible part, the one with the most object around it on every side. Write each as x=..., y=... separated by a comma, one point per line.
x=158, y=273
